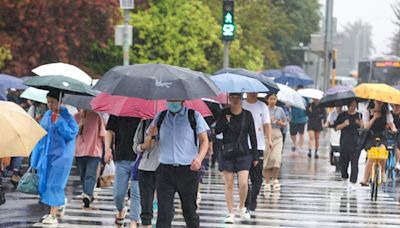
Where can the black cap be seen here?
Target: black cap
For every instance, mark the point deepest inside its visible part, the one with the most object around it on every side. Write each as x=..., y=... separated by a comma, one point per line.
x=55, y=94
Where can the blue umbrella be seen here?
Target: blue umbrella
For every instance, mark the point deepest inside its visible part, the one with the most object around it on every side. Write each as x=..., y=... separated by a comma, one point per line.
x=274, y=73
x=233, y=83
x=7, y=82
x=294, y=76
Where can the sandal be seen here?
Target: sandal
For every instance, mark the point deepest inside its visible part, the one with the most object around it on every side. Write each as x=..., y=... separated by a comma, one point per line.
x=120, y=221
x=364, y=184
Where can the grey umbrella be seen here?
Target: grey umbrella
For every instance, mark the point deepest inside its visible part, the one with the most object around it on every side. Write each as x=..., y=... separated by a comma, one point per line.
x=269, y=83
x=154, y=81
x=78, y=101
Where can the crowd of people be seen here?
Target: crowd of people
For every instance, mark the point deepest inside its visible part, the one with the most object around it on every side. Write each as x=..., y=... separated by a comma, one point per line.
x=156, y=158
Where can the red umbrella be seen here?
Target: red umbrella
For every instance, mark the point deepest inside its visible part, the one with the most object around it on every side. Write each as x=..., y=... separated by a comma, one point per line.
x=136, y=107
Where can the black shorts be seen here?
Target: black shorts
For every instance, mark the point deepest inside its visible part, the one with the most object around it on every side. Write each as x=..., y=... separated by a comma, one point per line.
x=314, y=126
x=296, y=128
x=235, y=165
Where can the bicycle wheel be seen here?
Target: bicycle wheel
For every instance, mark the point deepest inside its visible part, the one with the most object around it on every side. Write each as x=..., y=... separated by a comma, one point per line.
x=377, y=176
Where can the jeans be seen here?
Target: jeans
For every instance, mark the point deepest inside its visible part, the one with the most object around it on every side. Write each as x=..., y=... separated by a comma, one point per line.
x=256, y=177
x=135, y=201
x=121, y=182
x=181, y=179
x=351, y=155
x=147, y=186
x=87, y=167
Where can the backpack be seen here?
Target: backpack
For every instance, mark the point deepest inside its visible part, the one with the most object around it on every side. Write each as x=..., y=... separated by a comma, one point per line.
x=192, y=121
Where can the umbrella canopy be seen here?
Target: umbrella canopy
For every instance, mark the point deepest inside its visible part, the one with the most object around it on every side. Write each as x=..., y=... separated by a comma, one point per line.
x=66, y=84
x=78, y=101
x=270, y=84
x=7, y=82
x=273, y=73
x=337, y=89
x=64, y=69
x=34, y=94
x=20, y=132
x=378, y=91
x=339, y=99
x=290, y=97
x=233, y=83
x=311, y=93
x=136, y=107
x=156, y=82
x=294, y=76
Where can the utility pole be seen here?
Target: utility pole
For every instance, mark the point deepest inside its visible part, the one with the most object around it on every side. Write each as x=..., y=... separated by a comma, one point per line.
x=126, y=35
x=226, y=54
x=327, y=43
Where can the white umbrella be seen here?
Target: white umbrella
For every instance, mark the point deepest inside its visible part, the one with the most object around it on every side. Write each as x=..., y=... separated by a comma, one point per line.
x=311, y=93
x=64, y=69
x=34, y=94
x=290, y=97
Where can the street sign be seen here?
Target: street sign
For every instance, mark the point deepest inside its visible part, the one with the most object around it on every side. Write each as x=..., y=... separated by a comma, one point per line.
x=228, y=25
x=119, y=35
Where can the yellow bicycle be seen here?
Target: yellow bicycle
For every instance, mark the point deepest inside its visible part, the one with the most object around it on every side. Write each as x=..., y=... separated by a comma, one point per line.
x=376, y=154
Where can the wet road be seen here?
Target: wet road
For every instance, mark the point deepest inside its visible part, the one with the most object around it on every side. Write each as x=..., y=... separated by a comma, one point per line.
x=311, y=195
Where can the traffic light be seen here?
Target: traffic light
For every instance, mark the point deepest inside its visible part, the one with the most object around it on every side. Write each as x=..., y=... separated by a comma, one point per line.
x=228, y=25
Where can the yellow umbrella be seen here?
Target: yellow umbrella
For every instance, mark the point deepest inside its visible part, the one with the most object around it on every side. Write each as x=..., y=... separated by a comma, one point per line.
x=378, y=91
x=19, y=132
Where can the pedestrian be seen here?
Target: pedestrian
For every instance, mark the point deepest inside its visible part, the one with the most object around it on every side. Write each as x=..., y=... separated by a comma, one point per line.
x=183, y=142
x=396, y=121
x=316, y=115
x=122, y=129
x=298, y=120
x=237, y=126
x=262, y=125
x=89, y=149
x=377, y=119
x=53, y=155
x=348, y=123
x=273, y=155
x=332, y=116
x=149, y=149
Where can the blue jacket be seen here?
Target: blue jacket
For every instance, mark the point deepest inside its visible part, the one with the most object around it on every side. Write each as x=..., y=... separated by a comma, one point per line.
x=53, y=155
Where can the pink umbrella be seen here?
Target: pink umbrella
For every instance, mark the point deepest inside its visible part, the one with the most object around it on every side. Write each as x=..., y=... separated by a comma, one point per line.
x=136, y=107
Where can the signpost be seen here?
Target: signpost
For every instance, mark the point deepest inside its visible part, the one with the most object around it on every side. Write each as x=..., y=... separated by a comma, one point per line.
x=228, y=28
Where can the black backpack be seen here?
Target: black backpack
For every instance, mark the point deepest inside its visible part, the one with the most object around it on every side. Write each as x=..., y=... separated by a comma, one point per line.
x=192, y=121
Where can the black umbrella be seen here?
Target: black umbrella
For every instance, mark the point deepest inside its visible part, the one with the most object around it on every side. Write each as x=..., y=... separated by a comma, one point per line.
x=339, y=99
x=269, y=83
x=78, y=101
x=157, y=82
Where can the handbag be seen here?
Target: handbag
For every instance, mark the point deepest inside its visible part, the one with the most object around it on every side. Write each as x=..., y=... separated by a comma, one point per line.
x=29, y=183
x=363, y=136
x=235, y=149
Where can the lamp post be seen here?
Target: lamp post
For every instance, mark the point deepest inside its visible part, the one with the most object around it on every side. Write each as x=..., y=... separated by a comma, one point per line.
x=126, y=5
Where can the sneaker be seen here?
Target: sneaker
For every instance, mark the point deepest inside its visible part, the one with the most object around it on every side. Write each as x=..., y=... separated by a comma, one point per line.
x=397, y=169
x=293, y=149
x=50, y=220
x=316, y=155
x=155, y=206
x=61, y=211
x=352, y=186
x=267, y=189
x=230, y=218
x=309, y=153
x=86, y=201
x=45, y=216
x=276, y=185
x=244, y=214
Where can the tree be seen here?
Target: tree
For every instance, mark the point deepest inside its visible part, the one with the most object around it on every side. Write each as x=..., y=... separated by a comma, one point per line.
x=395, y=41
x=5, y=55
x=177, y=32
x=40, y=31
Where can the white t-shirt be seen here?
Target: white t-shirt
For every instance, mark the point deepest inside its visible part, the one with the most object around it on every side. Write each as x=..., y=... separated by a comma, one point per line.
x=260, y=113
x=366, y=117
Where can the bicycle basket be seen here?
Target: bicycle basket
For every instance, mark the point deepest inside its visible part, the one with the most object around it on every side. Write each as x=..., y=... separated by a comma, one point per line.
x=378, y=153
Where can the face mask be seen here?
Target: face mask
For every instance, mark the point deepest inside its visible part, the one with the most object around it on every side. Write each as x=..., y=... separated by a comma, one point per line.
x=174, y=107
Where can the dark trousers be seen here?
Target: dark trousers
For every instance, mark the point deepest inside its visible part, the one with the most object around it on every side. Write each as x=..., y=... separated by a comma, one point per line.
x=87, y=167
x=349, y=155
x=256, y=177
x=217, y=147
x=171, y=179
x=147, y=186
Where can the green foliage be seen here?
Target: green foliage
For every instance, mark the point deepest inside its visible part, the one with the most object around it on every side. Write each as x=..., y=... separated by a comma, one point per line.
x=5, y=55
